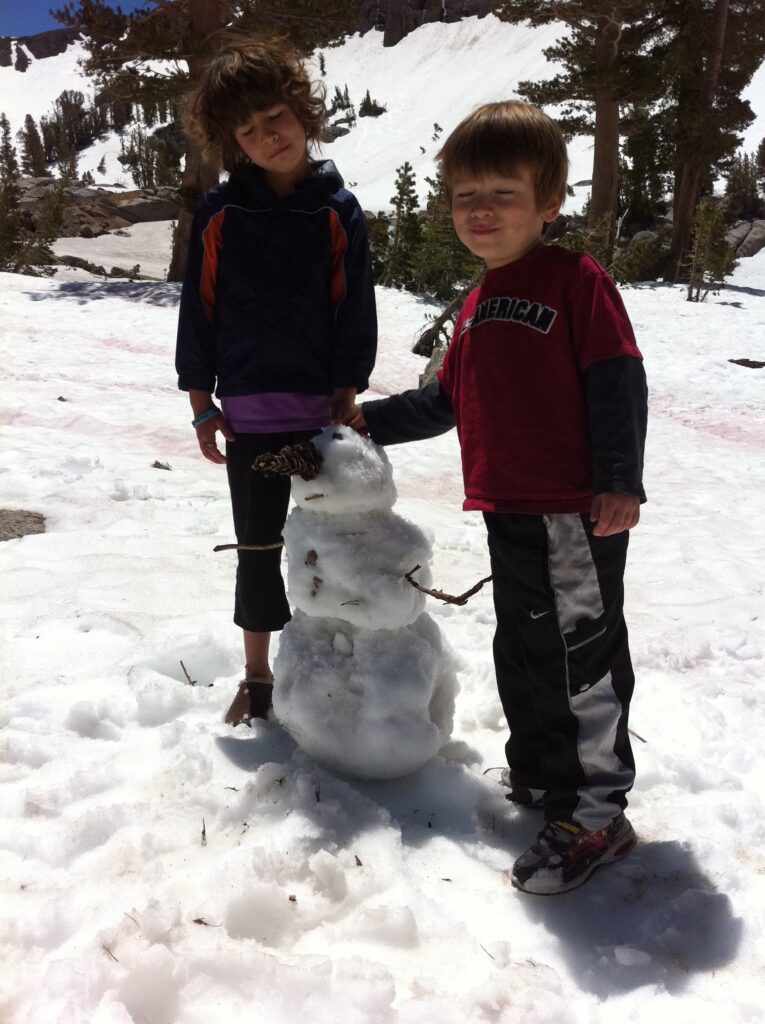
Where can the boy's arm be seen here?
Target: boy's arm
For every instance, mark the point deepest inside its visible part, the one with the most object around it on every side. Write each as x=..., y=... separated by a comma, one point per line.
x=411, y=416
x=617, y=405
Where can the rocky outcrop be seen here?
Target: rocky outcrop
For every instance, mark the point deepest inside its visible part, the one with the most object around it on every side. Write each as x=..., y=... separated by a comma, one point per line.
x=748, y=237
x=397, y=18
x=44, y=44
x=92, y=211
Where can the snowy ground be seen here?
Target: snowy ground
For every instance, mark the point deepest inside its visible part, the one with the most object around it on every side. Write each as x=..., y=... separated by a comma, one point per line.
x=116, y=910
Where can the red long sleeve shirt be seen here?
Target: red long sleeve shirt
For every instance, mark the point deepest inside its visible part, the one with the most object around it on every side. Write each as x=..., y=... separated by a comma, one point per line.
x=515, y=371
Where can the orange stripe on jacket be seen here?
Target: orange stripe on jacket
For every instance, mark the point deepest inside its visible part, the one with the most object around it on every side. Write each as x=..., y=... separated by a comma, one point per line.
x=339, y=247
x=211, y=242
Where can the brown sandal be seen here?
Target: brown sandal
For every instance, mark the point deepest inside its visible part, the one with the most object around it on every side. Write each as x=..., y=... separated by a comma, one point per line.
x=253, y=700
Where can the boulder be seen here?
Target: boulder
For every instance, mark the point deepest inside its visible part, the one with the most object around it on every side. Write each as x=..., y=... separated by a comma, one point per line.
x=737, y=232
x=754, y=241
x=91, y=211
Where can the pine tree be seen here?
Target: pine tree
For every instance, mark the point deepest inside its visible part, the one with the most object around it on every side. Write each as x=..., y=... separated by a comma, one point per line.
x=11, y=239
x=742, y=198
x=712, y=258
x=32, y=153
x=606, y=57
x=406, y=234
x=369, y=107
x=441, y=263
x=759, y=162
x=713, y=48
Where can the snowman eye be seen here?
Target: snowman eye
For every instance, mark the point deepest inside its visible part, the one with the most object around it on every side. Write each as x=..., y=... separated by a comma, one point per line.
x=338, y=437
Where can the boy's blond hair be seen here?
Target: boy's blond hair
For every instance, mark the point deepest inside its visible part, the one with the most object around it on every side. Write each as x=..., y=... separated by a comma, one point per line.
x=246, y=75
x=498, y=139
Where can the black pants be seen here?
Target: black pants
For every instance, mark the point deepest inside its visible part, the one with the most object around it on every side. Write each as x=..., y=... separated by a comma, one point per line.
x=259, y=504
x=562, y=661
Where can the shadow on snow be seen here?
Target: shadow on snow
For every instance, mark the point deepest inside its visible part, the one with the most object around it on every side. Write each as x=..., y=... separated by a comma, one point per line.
x=654, y=919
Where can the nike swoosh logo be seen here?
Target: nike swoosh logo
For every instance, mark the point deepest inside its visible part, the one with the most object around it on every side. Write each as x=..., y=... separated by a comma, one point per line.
x=538, y=615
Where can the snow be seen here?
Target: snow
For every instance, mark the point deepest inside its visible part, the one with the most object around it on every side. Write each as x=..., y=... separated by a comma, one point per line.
x=158, y=866
x=403, y=912
x=363, y=680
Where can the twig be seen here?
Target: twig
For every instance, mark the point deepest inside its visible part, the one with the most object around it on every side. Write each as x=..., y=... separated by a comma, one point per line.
x=189, y=680
x=636, y=735
x=486, y=951
x=249, y=547
x=204, y=833
x=109, y=953
x=440, y=595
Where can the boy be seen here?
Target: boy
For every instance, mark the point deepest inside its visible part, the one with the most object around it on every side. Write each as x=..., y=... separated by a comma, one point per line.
x=277, y=311
x=546, y=386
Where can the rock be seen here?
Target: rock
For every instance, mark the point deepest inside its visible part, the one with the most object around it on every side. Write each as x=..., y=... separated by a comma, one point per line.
x=91, y=211
x=16, y=522
x=44, y=44
x=81, y=264
x=754, y=241
x=737, y=232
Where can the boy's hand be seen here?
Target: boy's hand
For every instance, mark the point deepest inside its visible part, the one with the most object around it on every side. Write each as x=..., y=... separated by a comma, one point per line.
x=342, y=404
x=355, y=418
x=206, y=438
x=614, y=513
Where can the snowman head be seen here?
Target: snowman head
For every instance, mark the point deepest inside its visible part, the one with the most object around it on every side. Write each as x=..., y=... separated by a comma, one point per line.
x=355, y=475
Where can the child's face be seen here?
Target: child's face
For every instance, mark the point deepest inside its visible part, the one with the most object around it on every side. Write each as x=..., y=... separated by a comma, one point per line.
x=496, y=216
x=275, y=140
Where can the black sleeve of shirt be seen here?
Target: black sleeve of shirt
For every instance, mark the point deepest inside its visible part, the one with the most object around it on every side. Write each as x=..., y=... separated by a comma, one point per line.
x=617, y=406
x=410, y=416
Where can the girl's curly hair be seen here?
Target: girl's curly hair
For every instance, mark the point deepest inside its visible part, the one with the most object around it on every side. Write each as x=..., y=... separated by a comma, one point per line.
x=246, y=75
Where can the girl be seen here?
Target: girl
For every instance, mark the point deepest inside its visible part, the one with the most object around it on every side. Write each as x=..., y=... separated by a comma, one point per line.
x=277, y=313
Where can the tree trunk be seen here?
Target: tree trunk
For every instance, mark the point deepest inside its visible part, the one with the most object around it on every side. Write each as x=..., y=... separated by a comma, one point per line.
x=695, y=162
x=200, y=173
x=605, y=164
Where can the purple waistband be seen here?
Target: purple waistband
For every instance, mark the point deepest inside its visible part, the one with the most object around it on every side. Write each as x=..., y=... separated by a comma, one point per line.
x=276, y=411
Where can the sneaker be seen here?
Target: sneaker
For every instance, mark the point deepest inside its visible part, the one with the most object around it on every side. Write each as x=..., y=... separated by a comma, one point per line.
x=565, y=855
x=521, y=795
x=253, y=700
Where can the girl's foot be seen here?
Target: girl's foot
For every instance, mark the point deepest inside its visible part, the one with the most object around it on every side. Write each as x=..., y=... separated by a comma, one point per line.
x=253, y=700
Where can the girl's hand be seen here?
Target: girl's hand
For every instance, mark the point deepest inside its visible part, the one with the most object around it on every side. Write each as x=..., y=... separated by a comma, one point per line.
x=206, y=437
x=342, y=404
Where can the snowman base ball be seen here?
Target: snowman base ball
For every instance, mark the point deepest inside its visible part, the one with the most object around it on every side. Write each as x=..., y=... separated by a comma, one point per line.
x=368, y=703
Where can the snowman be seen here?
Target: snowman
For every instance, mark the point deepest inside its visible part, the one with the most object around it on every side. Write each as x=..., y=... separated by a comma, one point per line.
x=363, y=679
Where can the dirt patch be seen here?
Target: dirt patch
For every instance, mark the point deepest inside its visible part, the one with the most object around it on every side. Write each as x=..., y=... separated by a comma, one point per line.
x=16, y=522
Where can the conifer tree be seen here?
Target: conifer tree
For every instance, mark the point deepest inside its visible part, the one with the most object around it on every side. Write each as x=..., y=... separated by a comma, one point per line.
x=713, y=49
x=712, y=258
x=406, y=230
x=441, y=263
x=742, y=198
x=22, y=251
x=10, y=200
x=606, y=63
x=759, y=162
x=32, y=153
x=123, y=50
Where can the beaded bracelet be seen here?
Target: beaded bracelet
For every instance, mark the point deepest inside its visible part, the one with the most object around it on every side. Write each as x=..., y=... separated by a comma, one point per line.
x=204, y=417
